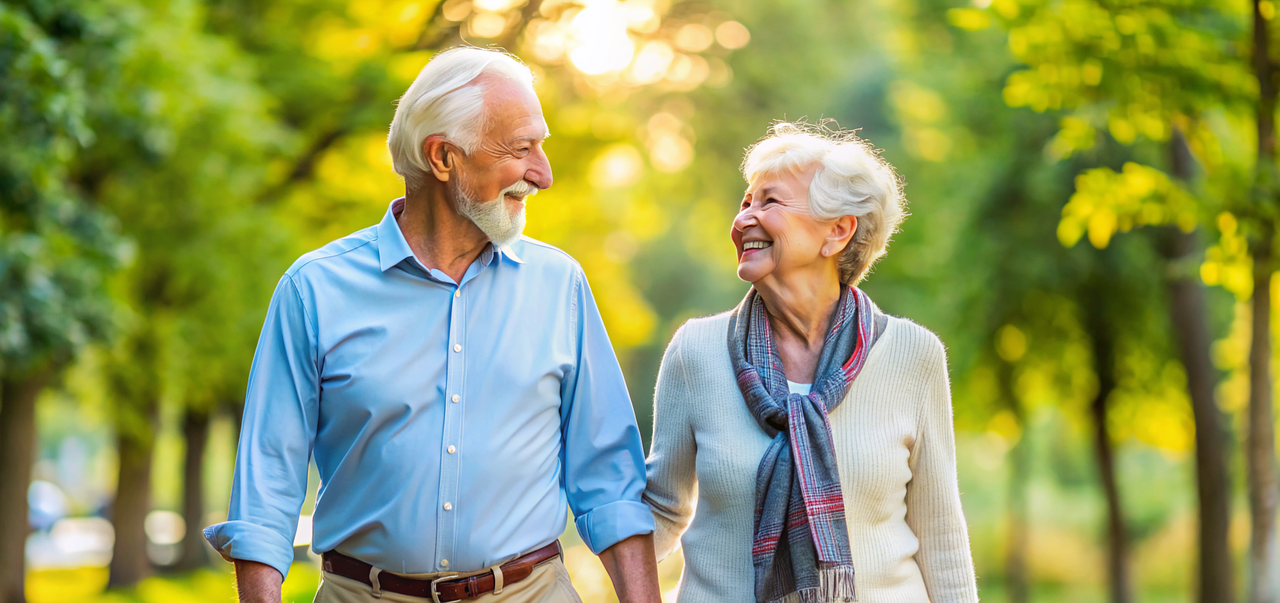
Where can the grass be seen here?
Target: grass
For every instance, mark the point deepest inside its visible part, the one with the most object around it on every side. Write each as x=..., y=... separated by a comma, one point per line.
x=88, y=585
x=217, y=585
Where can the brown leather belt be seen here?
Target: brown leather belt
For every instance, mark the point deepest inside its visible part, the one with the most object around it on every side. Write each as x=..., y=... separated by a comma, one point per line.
x=445, y=588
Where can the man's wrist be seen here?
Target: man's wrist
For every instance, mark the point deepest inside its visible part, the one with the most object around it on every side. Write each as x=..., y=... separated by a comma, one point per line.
x=257, y=582
x=633, y=568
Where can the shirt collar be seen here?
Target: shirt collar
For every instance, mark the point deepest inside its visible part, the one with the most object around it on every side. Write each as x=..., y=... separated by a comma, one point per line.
x=509, y=253
x=393, y=248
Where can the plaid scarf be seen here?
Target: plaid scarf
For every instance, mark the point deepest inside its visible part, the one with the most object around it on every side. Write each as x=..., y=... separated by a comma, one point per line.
x=801, y=543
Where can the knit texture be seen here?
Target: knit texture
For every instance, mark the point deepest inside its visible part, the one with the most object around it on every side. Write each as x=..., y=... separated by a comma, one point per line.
x=895, y=449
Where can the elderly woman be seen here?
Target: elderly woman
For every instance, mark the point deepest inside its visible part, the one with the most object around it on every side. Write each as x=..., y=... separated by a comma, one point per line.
x=803, y=446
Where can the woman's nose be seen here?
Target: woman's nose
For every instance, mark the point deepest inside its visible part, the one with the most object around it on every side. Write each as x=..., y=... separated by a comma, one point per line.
x=745, y=219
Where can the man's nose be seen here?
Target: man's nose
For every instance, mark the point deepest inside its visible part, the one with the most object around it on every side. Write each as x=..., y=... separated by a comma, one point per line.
x=540, y=172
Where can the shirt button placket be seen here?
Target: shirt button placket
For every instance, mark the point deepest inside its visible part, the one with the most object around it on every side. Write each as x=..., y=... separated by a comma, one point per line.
x=450, y=468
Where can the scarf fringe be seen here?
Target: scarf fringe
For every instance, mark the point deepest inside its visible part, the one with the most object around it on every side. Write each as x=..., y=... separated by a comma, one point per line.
x=836, y=586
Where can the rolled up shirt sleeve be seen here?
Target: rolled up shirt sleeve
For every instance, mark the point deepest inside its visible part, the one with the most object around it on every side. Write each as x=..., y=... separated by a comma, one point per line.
x=602, y=456
x=276, y=437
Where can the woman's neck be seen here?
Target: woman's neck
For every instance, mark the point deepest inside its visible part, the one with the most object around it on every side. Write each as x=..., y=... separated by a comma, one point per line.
x=800, y=308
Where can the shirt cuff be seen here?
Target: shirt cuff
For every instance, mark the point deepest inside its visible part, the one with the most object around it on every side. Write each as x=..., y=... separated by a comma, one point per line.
x=251, y=542
x=610, y=524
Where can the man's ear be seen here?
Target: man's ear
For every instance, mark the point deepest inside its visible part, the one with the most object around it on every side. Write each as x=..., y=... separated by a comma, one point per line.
x=441, y=156
x=842, y=230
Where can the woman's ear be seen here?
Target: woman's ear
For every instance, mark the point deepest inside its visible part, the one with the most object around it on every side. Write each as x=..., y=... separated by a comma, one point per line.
x=440, y=156
x=842, y=230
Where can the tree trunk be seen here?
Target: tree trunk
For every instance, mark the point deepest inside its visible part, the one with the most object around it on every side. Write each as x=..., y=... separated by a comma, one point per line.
x=237, y=421
x=1016, y=557
x=1260, y=458
x=18, y=394
x=1118, y=570
x=195, y=428
x=1189, y=316
x=1019, y=474
x=1264, y=562
x=129, y=562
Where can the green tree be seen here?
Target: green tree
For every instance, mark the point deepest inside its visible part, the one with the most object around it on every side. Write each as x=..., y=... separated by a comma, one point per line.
x=180, y=147
x=1142, y=73
x=55, y=248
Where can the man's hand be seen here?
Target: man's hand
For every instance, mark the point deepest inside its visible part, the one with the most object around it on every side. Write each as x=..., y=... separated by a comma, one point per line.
x=258, y=582
x=633, y=567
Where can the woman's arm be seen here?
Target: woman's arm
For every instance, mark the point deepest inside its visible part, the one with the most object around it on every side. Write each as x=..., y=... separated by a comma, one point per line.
x=933, y=495
x=672, y=479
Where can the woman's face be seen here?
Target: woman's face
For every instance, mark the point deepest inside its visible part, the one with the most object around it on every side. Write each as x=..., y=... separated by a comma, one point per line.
x=775, y=233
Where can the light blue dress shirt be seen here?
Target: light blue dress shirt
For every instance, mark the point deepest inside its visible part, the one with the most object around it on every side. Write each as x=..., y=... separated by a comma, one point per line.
x=451, y=423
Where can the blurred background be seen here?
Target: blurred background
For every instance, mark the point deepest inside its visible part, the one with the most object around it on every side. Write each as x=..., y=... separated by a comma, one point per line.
x=1093, y=189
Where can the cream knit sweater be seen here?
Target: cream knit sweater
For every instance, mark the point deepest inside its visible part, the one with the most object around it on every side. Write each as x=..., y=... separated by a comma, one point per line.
x=894, y=445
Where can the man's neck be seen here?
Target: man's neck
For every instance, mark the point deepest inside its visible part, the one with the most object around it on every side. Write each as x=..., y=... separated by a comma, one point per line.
x=440, y=238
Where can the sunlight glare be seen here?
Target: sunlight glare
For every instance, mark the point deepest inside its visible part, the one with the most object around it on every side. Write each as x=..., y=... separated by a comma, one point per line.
x=548, y=41
x=652, y=62
x=488, y=25
x=456, y=10
x=641, y=16
x=618, y=166
x=600, y=40
x=694, y=37
x=732, y=35
x=496, y=6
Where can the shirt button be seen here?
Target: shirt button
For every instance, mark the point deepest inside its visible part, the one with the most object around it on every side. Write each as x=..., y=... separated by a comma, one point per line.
x=444, y=563
x=457, y=347
x=448, y=506
x=452, y=450
x=457, y=293
x=456, y=397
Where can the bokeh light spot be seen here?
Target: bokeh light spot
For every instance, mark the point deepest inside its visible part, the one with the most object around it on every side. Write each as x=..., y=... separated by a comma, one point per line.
x=732, y=35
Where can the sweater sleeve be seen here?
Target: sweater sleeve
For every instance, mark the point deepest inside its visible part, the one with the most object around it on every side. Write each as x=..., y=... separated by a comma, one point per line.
x=933, y=494
x=672, y=485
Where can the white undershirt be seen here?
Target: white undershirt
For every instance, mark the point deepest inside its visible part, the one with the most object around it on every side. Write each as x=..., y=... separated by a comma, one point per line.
x=799, y=388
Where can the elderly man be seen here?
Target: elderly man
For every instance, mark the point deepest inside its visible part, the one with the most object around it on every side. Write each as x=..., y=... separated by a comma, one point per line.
x=452, y=379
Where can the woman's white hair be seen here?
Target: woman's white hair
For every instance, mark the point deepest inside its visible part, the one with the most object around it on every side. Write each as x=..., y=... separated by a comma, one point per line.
x=849, y=179
x=447, y=98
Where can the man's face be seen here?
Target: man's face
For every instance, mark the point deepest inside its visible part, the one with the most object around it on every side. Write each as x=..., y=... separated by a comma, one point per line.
x=510, y=152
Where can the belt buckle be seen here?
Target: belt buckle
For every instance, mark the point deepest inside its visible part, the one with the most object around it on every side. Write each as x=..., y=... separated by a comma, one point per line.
x=435, y=596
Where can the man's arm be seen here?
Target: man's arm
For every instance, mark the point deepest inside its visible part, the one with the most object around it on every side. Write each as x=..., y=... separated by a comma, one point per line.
x=280, y=414
x=633, y=569
x=603, y=459
x=258, y=582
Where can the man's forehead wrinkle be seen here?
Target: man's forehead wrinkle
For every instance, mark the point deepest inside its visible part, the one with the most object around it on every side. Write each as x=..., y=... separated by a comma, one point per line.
x=519, y=126
x=506, y=104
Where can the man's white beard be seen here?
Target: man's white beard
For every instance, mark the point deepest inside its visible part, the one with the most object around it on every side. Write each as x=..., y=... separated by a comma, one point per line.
x=492, y=217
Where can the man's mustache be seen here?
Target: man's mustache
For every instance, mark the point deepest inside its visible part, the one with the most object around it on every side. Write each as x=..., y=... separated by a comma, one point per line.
x=520, y=189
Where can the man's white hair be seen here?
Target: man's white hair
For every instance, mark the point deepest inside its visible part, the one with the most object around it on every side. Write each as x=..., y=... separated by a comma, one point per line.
x=850, y=179
x=447, y=98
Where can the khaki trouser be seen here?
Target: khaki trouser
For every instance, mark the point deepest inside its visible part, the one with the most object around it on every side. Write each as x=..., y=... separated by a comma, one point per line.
x=549, y=583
